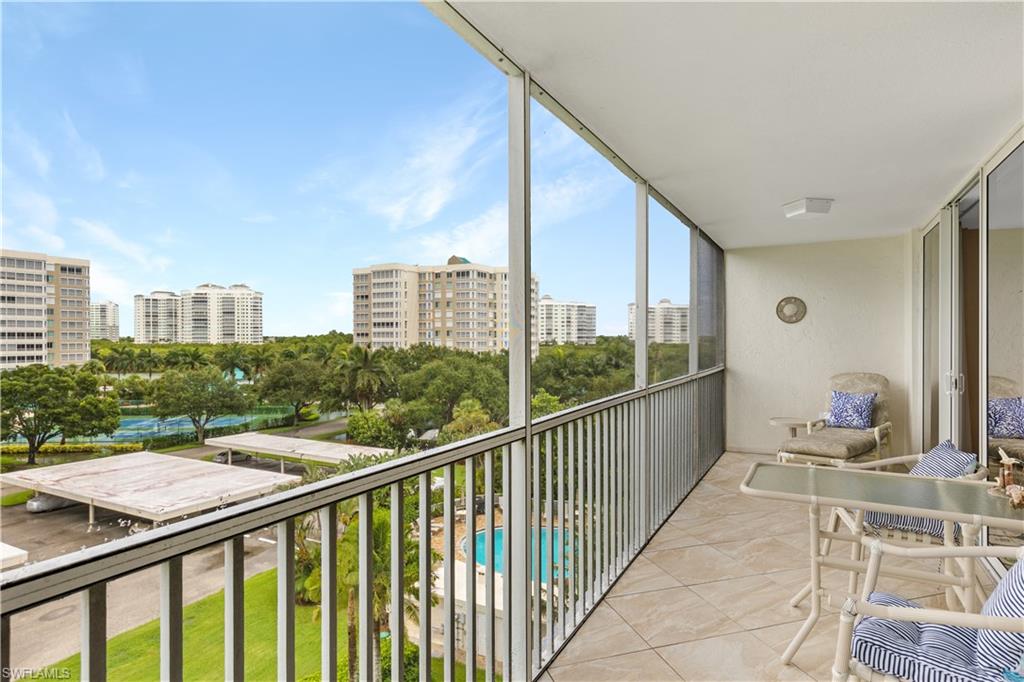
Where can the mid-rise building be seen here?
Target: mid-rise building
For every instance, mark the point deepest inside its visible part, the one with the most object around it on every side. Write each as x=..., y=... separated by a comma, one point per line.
x=44, y=309
x=208, y=313
x=104, y=321
x=667, y=322
x=566, y=321
x=459, y=305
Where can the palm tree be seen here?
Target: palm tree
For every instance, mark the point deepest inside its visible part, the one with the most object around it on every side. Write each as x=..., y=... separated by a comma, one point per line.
x=147, y=361
x=365, y=375
x=259, y=358
x=186, y=358
x=120, y=359
x=231, y=358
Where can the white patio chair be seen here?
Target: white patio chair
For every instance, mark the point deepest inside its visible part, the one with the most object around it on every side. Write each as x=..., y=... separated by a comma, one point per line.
x=942, y=461
x=823, y=444
x=886, y=637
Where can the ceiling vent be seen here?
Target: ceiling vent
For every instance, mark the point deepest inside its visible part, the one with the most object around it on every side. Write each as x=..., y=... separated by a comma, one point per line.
x=807, y=207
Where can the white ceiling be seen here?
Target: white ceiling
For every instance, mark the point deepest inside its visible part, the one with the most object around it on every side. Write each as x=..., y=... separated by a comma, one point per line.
x=732, y=110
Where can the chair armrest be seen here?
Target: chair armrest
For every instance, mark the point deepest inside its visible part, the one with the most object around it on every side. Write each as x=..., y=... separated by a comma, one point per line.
x=938, y=616
x=942, y=551
x=815, y=425
x=879, y=463
x=882, y=431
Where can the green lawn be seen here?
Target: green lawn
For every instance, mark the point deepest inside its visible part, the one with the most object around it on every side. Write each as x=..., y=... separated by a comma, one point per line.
x=14, y=499
x=179, y=447
x=135, y=654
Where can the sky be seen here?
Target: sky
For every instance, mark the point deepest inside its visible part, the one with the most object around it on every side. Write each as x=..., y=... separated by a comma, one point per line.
x=282, y=145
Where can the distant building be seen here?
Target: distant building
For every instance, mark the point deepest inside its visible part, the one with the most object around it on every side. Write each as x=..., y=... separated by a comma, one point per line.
x=667, y=322
x=104, y=321
x=459, y=305
x=208, y=313
x=566, y=321
x=44, y=309
x=157, y=317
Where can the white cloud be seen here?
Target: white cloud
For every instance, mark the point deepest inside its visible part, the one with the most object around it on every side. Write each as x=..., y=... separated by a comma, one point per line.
x=259, y=218
x=576, y=191
x=35, y=215
x=106, y=285
x=412, y=190
x=49, y=241
x=87, y=156
x=105, y=236
x=129, y=180
x=484, y=239
x=31, y=150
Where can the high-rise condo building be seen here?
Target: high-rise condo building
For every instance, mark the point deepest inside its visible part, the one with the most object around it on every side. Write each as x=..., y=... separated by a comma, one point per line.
x=104, y=321
x=208, y=313
x=157, y=317
x=667, y=322
x=566, y=321
x=459, y=305
x=44, y=309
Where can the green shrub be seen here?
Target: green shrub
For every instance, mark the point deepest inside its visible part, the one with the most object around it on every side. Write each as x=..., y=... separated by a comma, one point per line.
x=367, y=427
x=410, y=668
x=71, y=448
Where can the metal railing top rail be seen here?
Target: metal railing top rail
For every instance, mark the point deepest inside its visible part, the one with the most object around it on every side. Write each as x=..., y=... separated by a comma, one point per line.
x=61, y=576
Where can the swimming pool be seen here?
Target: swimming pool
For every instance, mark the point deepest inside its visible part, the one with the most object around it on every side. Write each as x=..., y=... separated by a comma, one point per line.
x=480, y=550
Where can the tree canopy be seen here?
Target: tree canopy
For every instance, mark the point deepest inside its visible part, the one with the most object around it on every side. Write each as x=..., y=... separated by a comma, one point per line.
x=40, y=403
x=201, y=394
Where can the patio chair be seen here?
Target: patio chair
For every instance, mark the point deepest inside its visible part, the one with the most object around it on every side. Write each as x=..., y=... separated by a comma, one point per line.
x=942, y=461
x=1001, y=387
x=886, y=637
x=823, y=444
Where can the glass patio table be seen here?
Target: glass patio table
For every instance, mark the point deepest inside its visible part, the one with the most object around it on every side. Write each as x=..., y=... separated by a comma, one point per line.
x=949, y=500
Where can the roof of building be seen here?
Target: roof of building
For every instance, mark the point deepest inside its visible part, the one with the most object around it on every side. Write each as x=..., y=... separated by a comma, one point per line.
x=293, y=448
x=150, y=485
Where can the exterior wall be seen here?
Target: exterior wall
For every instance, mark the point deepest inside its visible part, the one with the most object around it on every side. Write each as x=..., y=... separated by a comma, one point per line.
x=855, y=293
x=667, y=322
x=44, y=313
x=566, y=321
x=458, y=305
x=105, y=321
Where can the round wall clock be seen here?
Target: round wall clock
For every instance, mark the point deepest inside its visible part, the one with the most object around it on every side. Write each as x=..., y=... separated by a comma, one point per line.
x=791, y=309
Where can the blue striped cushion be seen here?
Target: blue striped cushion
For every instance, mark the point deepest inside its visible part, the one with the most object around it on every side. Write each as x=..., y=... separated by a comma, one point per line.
x=919, y=652
x=1002, y=650
x=942, y=461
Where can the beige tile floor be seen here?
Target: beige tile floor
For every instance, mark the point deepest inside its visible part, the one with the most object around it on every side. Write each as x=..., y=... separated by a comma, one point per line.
x=707, y=600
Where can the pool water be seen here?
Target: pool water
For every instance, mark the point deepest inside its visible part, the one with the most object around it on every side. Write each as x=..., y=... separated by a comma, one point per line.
x=557, y=546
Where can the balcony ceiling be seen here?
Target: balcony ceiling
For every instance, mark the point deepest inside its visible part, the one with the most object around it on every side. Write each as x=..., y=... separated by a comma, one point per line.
x=732, y=110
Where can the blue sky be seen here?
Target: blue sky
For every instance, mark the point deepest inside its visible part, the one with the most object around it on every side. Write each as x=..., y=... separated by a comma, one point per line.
x=281, y=145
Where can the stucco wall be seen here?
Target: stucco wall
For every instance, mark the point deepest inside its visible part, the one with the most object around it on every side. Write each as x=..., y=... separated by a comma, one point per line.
x=856, y=295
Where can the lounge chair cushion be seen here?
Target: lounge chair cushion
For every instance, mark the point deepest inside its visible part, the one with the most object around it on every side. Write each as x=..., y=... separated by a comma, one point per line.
x=942, y=461
x=830, y=442
x=1006, y=417
x=1014, y=447
x=919, y=652
x=850, y=410
x=1003, y=650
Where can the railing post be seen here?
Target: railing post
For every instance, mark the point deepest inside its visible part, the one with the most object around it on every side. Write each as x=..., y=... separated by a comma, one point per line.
x=94, y=633
x=329, y=593
x=396, y=616
x=170, y=621
x=286, y=601
x=234, y=609
x=517, y=522
x=5, y=648
x=366, y=587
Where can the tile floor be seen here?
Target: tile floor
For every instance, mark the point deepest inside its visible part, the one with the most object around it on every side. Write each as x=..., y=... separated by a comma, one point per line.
x=707, y=600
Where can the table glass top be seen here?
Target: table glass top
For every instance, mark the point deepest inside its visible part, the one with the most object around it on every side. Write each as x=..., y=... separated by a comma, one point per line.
x=873, y=488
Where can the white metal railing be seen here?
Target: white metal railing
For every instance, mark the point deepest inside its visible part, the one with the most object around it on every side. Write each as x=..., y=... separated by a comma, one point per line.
x=601, y=478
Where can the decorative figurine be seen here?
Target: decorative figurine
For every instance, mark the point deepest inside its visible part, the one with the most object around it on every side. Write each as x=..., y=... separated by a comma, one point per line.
x=1006, y=472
